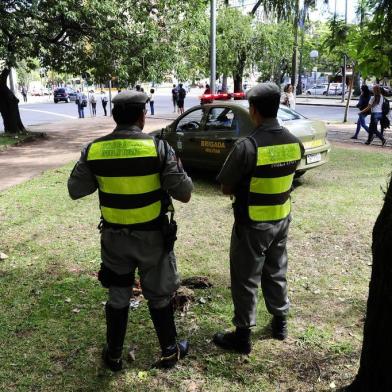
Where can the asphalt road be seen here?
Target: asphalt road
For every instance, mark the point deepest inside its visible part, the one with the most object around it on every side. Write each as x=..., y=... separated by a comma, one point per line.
x=49, y=112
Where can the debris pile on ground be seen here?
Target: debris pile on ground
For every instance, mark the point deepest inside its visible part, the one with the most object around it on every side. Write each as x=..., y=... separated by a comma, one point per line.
x=183, y=298
x=197, y=282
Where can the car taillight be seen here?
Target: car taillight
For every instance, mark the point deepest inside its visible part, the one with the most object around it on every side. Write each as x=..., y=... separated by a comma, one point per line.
x=239, y=95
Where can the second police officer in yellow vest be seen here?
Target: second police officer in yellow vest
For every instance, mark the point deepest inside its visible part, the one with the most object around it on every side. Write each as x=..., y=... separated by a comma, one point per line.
x=259, y=172
x=134, y=174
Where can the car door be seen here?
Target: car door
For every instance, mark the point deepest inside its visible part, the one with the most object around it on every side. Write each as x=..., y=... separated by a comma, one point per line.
x=220, y=131
x=184, y=137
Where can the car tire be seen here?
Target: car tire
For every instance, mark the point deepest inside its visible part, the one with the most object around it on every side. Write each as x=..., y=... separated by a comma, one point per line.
x=55, y=101
x=308, y=93
x=324, y=93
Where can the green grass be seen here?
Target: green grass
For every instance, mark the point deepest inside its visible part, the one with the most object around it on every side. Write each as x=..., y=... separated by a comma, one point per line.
x=11, y=139
x=51, y=314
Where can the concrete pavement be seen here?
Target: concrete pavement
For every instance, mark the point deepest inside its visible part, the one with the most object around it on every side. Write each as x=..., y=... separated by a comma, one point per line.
x=63, y=144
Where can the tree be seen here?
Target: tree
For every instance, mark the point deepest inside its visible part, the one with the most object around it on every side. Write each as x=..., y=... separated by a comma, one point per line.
x=374, y=369
x=131, y=39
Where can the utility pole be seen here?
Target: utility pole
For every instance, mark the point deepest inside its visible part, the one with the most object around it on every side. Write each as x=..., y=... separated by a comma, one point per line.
x=344, y=59
x=213, y=46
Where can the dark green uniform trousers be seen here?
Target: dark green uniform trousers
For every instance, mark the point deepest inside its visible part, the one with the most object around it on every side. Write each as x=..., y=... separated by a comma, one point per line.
x=123, y=251
x=258, y=257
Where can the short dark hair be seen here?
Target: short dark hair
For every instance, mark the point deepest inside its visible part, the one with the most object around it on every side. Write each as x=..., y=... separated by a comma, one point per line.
x=127, y=113
x=267, y=106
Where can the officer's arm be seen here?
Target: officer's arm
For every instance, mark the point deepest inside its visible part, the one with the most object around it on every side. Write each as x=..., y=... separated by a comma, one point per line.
x=174, y=179
x=82, y=181
x=236, y=166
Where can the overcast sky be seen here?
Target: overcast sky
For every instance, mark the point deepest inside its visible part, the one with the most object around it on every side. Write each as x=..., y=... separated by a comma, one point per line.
x=322, y=13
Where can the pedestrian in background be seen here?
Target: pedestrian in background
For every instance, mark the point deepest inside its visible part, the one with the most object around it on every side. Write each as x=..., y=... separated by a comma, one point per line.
x=104, y=100
x=362, y=104
x=259, y=172
x=174, y=97
x=79, y=103
x=24, y=93
x=135, y=230
x=181, y=98
x=151, y=98
x=288, y=96
x=375, y=107
x=93, y=103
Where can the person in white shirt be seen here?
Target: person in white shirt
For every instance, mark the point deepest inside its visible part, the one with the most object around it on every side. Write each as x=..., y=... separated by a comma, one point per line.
x=151, y=98
x=104, y=100
x=288, y=97
x=375, y=107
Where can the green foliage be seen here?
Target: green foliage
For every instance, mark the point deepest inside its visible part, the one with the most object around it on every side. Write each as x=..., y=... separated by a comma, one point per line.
x=273, y=49
x=131, y=39
x=235, y=39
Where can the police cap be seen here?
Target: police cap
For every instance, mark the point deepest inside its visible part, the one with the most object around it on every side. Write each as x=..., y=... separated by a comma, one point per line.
x=129, y=97
x=263, y=91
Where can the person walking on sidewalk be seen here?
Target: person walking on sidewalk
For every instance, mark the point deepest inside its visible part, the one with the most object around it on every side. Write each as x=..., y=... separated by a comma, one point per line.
x=104, y=101
x=80, y=103
x=151, y=98
x=135, y=175
x=363, y=103
x=259, y=172
x=181, y=98
x=24, y=93
x=93, y=103
x=375, y=106
x=174, y=97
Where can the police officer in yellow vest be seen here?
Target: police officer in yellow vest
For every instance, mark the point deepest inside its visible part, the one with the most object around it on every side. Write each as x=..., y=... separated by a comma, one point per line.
x=259, y=172
x=134, y=174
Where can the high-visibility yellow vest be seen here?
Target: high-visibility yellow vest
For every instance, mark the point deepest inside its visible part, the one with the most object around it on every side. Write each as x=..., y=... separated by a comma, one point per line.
x=127, y=173
x=271, y=181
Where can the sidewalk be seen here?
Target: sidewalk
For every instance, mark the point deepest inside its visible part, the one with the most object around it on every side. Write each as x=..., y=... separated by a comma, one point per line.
x=63, y=144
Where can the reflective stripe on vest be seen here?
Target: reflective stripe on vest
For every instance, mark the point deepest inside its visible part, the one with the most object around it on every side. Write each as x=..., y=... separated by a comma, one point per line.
x=269, y=197
x=132, y=198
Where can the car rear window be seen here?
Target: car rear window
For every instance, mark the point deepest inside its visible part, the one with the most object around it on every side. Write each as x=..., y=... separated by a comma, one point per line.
x=60, y=90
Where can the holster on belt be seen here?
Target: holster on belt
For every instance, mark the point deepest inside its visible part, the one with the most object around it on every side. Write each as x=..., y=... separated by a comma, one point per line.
x=169, y=229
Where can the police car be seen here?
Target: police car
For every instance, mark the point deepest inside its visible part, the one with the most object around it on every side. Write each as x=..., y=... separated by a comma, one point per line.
x=204, y=135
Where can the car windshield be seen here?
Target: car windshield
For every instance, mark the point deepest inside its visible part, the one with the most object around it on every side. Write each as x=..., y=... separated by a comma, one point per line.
x=284, y=113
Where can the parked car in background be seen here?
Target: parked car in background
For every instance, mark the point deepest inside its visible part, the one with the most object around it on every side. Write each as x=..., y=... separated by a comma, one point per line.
x=335, y=89
x=204, y=135
x=387, y=90
x=65, y=94
x=318, y=89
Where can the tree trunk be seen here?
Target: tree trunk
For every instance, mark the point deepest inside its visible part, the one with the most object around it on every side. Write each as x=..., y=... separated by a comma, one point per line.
x=9, y=108
x=239, y=72
x=350, y=91
x=374, y=374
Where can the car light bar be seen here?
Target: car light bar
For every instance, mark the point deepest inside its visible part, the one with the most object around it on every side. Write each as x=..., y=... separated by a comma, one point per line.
x=207, y=98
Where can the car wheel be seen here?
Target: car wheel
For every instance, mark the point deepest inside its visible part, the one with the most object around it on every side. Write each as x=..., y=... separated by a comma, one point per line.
x=55, y=101
x=308, y=93
x=324, y=93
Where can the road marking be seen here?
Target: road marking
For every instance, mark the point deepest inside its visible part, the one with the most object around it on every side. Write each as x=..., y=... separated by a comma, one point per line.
x=52, y=113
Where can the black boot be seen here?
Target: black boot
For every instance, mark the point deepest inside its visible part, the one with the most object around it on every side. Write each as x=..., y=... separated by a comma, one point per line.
x=165, y=327
x=239, y=340
x=116, y=327
x=279, y=327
